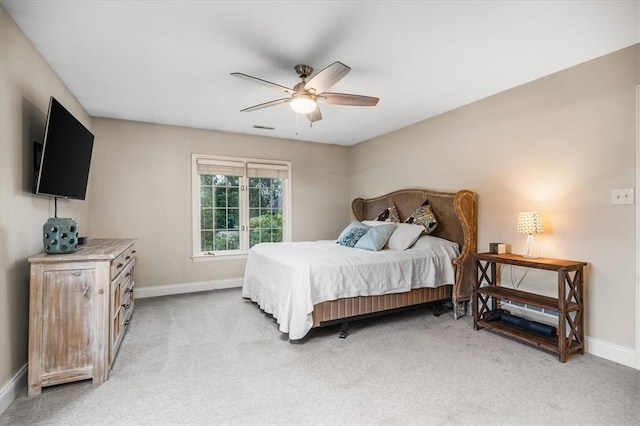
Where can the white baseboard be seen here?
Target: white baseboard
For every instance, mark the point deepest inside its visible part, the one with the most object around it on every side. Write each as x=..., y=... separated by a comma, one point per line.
x=10, y=391
x=165, y=290
x=615, y=353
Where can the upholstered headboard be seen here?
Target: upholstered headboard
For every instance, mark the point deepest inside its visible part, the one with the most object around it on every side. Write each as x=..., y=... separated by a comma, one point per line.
x=456, y=213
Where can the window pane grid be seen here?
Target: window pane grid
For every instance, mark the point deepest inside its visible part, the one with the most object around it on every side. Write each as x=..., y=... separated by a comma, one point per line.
x=219, y=213
x=265, y=214
x=239, y=203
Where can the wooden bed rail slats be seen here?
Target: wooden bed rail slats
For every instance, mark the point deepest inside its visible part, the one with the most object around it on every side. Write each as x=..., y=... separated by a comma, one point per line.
x=354, y=306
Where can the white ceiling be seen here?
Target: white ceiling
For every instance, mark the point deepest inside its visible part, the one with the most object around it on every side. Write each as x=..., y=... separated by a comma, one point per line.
x=170, y=61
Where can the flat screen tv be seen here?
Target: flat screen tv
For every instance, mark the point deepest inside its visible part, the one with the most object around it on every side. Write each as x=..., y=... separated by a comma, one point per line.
x=63, y=164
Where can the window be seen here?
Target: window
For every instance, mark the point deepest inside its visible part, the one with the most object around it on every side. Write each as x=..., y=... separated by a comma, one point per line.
x=238, y=203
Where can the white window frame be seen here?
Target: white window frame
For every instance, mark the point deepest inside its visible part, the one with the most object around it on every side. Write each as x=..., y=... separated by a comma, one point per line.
x=197, y=254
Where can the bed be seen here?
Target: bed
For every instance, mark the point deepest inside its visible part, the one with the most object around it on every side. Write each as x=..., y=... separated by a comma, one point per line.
x=305, y=285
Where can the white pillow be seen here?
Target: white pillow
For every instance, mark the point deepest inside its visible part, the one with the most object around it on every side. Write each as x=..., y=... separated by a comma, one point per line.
x=404, y=236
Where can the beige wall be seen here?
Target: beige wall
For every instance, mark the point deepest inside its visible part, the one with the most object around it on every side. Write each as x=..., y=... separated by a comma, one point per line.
x=26, y=83
x=558, y=145
x=141, y=188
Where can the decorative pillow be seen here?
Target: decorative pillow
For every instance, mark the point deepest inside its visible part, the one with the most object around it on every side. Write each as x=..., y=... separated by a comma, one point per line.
x=390, y=214
x=376, y=237
x=424, y=216
x=374, y=223
x=352, y=233
x=404, y=236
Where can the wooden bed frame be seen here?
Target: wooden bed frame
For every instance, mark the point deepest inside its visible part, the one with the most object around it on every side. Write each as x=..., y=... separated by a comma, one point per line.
x=457, y=221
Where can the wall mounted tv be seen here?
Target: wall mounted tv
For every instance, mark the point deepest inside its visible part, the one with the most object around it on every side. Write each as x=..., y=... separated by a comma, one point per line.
x=62, y=165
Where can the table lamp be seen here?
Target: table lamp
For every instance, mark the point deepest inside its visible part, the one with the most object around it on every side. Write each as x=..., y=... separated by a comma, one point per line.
x=530, y=223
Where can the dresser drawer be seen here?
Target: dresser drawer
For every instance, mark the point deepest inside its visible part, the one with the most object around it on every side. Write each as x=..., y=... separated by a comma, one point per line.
x=117, y=265
x=120, y=263
x=130, y=275
x=129, y=253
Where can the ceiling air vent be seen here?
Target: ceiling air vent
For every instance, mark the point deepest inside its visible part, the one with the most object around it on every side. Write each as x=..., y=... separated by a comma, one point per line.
x=257, y=126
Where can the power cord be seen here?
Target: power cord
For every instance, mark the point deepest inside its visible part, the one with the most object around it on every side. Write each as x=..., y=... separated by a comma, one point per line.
x=515, y=285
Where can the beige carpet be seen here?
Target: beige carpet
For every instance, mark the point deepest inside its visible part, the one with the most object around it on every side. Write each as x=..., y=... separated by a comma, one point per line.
x=213, y=358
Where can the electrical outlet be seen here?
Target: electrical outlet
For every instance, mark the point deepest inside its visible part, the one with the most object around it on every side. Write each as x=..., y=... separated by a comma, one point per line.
x=622, y=196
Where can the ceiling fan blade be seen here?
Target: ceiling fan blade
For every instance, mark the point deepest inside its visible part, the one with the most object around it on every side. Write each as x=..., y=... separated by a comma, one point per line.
x=314, y=115
x=327, y=77
x=347, y=99
x=266, y=105
x=264, y=82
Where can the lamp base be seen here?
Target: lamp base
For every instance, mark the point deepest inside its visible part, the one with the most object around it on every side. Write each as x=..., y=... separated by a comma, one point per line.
x=530, y=250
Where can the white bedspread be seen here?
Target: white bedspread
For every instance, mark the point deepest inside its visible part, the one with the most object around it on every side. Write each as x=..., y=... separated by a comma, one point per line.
x=287, y=279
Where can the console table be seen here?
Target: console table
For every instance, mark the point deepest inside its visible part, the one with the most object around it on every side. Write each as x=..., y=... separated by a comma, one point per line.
x=569, y=303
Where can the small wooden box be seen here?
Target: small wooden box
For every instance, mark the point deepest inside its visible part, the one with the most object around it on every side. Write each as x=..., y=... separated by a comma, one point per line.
x=499, y=248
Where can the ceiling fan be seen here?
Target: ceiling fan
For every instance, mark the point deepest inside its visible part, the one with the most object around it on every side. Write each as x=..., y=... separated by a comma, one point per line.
x=306, y=95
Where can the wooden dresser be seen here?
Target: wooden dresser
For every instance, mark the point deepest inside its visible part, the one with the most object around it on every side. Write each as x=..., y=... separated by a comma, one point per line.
x=79, y=308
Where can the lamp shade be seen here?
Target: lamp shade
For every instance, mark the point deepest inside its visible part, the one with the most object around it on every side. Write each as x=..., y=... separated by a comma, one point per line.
x=529, y=223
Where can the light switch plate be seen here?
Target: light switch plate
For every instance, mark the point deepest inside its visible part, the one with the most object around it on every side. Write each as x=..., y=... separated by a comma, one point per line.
x=622, y=196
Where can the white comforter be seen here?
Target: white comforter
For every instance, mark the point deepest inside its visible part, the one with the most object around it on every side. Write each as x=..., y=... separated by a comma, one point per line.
x=287, y=279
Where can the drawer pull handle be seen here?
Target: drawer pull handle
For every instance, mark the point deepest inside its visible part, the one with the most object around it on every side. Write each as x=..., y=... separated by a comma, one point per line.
x=85, y=290
x=129, y=290
x=128, y=274
x=133, y=252
x=127, y=257
x=126, y=305
x=120, y=265
x=127, y=322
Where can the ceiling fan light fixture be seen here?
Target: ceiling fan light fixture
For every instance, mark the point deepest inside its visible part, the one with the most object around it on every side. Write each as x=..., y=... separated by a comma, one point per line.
x=304, y=96
x=303, y=103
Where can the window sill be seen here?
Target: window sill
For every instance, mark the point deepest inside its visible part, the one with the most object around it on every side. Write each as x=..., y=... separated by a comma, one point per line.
x=217, y=257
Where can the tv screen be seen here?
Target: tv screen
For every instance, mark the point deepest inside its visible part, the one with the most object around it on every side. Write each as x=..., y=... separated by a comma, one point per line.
x=66, y=155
